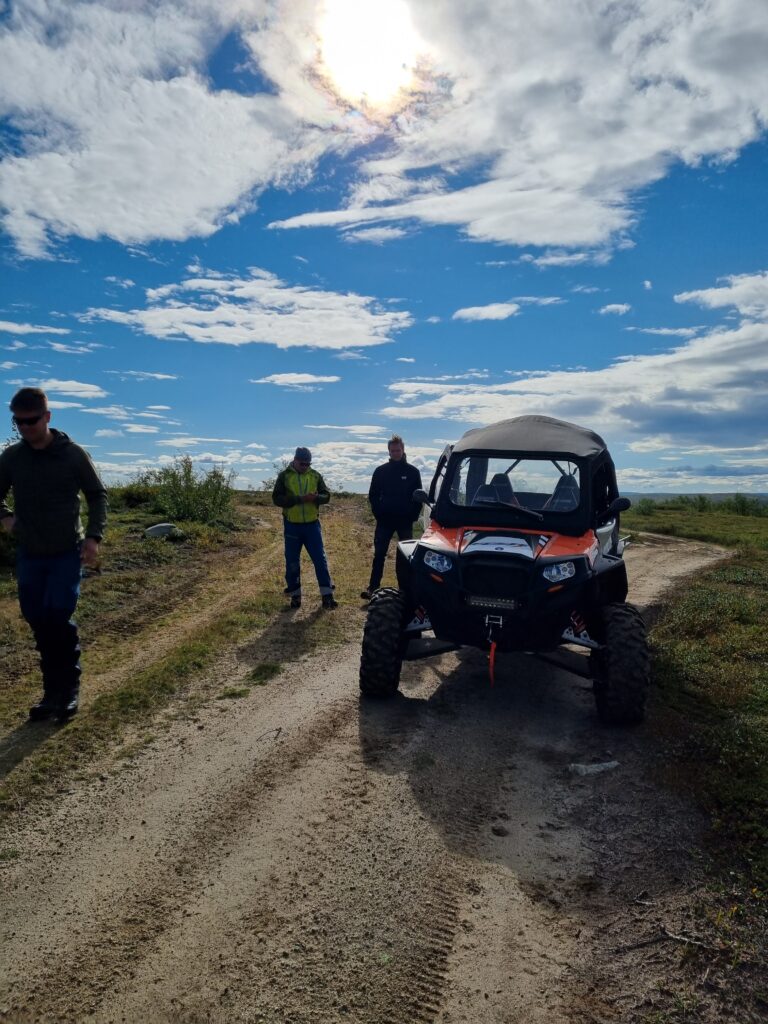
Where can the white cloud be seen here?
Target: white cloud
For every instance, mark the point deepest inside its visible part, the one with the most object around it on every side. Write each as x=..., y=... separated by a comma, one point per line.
x=12, y=328
x=143, y=375
x=8, y=365
x=539, y=300
x=72, y=387
x=126, y=137
x=647, y=285
x=748, y=293
x=185, y=441
x=109, y=433
x=255, y=445
x=566, y=259
x=558, y=113
x=354, y=428
x=160, y=408
x=70, y=350
x=618, y=308
x=140, y=428
x=667, y=332
x=493, y=311
x=121, y=282
x=260, y=308
x=297, y=381
x=405, y=359
x=376, y=236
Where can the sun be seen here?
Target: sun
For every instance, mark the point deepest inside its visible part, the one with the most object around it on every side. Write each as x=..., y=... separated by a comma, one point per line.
x=369, y=51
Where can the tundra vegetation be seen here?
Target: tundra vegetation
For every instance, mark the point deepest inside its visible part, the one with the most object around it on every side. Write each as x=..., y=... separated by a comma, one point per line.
x=710, y=712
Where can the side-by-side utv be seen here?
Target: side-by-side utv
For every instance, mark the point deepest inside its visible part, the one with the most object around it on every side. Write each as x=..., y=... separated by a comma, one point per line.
x=522, y=553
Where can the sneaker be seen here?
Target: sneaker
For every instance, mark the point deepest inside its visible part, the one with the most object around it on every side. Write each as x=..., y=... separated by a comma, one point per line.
x=329, y=602
x=296, y=601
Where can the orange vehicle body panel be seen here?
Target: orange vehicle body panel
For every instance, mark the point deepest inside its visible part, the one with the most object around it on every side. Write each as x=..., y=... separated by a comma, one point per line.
x=557, y=546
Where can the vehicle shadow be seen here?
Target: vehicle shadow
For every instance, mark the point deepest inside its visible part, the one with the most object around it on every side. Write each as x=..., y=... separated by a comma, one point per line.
x=489, y=767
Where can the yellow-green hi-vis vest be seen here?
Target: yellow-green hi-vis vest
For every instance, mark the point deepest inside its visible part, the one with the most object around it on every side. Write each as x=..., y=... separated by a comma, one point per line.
x=298, y=484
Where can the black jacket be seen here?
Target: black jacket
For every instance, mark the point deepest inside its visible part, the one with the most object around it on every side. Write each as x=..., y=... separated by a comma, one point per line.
x=46, y=485
x=391, y=492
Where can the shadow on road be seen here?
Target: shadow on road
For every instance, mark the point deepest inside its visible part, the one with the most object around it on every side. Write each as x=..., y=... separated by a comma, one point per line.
x=489, y=767
x=22, y=741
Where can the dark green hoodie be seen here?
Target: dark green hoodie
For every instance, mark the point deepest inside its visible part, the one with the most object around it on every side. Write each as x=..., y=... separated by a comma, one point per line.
x=46, y=485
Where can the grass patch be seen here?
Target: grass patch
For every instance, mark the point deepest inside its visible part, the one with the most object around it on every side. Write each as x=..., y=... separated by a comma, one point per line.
x=9, y=854
x=749, y=532
x=710, y=649
x=261, y=674
x=234, y=693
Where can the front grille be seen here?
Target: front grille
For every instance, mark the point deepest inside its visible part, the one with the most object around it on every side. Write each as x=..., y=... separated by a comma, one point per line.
x=495, y=580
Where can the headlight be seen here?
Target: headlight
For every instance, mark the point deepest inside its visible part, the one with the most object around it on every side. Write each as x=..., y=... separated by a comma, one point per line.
x=441, y=563
x=559, y=571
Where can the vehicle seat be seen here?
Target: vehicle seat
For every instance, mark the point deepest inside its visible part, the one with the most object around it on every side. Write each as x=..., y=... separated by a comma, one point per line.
x=503, y=487
x=485, y=493
x=565, y=496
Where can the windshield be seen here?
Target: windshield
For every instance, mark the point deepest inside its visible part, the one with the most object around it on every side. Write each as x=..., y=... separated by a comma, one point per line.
x=540, y=485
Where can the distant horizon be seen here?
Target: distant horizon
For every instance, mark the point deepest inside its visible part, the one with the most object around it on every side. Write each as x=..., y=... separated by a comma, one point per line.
x=227, y=230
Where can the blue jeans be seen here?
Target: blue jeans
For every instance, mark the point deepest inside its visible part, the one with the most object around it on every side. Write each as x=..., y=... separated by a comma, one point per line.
x=309, y=536
x=49, y=586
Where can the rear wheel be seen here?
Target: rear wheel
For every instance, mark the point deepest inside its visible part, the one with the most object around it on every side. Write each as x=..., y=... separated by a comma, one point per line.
x=622, y=670
x=383, y=644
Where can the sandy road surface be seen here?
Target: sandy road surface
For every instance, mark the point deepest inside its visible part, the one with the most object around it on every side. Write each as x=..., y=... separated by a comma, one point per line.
x=298, y=856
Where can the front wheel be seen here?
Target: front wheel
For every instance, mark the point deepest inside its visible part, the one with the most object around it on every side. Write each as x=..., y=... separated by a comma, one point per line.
x=622, y=670
x=381, y=657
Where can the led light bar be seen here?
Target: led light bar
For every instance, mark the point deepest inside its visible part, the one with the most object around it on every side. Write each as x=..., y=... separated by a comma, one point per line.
x=491, y=602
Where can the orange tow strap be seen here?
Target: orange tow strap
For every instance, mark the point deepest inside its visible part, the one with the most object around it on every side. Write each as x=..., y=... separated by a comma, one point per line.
x=492, y=661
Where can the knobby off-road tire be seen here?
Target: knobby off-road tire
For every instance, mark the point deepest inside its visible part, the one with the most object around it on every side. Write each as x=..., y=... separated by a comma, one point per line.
x=383, y=644
x=622, y=670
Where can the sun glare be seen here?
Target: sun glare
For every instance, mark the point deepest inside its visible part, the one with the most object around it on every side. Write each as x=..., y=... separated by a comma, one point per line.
x=368, y=52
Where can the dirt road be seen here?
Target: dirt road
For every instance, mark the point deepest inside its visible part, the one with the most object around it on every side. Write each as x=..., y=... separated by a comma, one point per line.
x=297, y=856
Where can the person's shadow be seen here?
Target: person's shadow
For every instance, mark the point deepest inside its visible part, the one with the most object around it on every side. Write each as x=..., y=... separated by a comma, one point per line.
x=22, y=741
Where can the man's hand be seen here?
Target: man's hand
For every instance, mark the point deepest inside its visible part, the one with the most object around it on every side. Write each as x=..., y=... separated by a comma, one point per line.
x=89, y=552
x=8, y=523
x=306, y=498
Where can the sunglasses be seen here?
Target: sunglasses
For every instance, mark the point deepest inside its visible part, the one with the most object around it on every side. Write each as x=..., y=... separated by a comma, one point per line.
x=27, y=421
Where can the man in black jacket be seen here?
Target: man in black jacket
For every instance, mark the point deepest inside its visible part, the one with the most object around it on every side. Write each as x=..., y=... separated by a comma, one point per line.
x=393, y=507
x=46, y=472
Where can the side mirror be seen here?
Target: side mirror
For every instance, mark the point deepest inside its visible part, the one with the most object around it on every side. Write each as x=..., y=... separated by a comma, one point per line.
x=422, y=497
x=619, y=505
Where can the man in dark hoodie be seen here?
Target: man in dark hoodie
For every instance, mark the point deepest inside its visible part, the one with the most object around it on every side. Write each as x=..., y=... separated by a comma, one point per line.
x=393, y=507
x=46, y=472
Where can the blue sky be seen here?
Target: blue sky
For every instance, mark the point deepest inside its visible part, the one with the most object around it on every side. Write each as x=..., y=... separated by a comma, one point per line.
x=228, y=228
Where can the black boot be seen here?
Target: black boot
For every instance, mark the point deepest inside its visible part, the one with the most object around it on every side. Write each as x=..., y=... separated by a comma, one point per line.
x=47, y=706
x=68, y=707
x=329, y=602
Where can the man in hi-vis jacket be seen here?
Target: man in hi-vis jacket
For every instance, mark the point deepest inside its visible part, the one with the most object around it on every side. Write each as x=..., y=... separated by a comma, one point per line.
x=300, y=491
